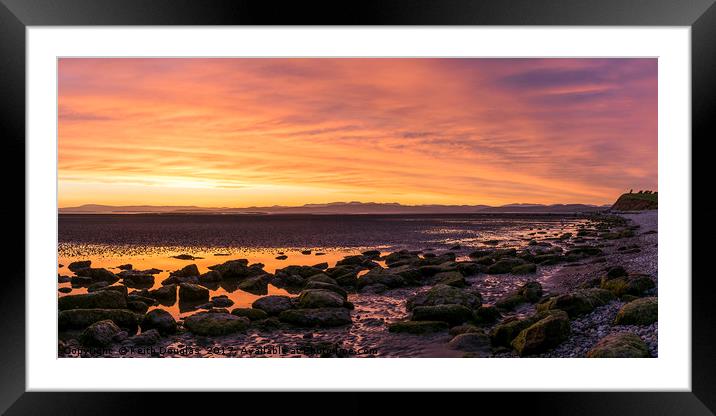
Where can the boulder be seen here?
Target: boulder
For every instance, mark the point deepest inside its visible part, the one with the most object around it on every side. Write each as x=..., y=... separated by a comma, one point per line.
x=251, y=313
x=104, y=299
x=455, y=279
x=526, y=268
x=327, y=286
x=486, y=315
x=99, y=334
x=381, y=276
x=620, y=345
x=116, y=288
x=160, y=320
x=150, y=337
x=137, y=306
x=543, y=335
x=452, y=314
x=138, y=279
x=166, y=294
x=193, y=293
x=214, y=324
x=417, y=327
x=319, y=298
x=82, y=318
x=320, y=317
x=212, y=276
x=643, y=311
x=323, y=278
x=633, y=284
x=273, y=304
x=186, y=271
x=320, y=266
x=257, y=285
x=97, y=274
x=221, y=301
x=445, y=295
x=504, y=265
x=77, y=265
x=577, y=303
x=463, y=329
x=475, y=342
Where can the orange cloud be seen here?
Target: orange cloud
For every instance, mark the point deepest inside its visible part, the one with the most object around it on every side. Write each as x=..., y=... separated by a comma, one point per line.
x=243, y=132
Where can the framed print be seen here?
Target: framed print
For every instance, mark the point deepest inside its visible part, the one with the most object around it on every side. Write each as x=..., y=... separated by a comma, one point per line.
x=459, y=197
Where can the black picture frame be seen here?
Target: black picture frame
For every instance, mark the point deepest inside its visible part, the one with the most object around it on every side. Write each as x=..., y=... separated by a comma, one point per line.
x=16, y=15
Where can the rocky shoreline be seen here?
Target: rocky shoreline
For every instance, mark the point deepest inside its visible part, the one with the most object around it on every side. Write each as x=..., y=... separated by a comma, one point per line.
x=588, y=292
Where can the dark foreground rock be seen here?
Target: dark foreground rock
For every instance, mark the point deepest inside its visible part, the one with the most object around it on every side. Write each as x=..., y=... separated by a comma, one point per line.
x=417, y=327
x=320, y=317
x=452, y=314
x=620, y=345
x=445, y=295
x=543, y=335
x=103, y=299
x=578, y=302
x=644, y=311
x=273, y=304
x=99, y=334
x=473, y=342
x=160, y=320
x=213, y=324
x=82, y=318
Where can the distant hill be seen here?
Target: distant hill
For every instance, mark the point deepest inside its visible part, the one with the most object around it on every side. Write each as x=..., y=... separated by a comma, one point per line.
x=335, y=208
x=639, y=201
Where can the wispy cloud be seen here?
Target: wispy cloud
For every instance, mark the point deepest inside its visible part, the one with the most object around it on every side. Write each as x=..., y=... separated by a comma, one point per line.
x=240, y=132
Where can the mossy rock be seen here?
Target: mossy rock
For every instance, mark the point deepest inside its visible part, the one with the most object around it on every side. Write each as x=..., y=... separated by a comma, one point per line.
x=579, y=302
x=101, y=299
x=525, y=269
x=273, y=304
x=319, y=298
x=463, y=329
x=251, y=313
x=485, y=315
x=319, y=317
x=510, y=301
x=543, y=335
x=160, y=320
x=445, y=295
x=99, y=334
x=474, y=342
x=620, y=345
x=328, y=286
x=503, y=333
x=505, y=265
x=644, y=311
x=452, y=314
x=633, y=284
x=323, y=278
x=82, y=318
x=455, y=279
x=417, y=327
x=214, y=324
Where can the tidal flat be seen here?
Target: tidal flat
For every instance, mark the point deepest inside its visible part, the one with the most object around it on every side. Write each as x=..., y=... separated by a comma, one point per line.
x=501, y=285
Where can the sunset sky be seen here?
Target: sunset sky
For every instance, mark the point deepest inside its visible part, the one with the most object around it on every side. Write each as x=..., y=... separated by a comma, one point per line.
x=257, y=132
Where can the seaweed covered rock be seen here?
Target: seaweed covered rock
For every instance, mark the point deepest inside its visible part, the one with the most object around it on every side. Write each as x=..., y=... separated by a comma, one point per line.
x=579, y=302
x=643, y=311
x=318, y=317
x=445, y=295
x=77, y=265
x=97, y=274
x=319, y=298
x=528, y=292
x=455, y=279
x=474, y=342
x=633, y=284
x=214, y=324
x=160, y=320
x=103, y=299
x=82, y=318
x=543, y=335
x=192, y=293
x=417, y=327
x=187, y=271
x=504, y=265
x=251, y=313
x=452, y=314
x=381, y=276
x=485, y=315
x=273, y=304
x=99, y=334
x=620, y=345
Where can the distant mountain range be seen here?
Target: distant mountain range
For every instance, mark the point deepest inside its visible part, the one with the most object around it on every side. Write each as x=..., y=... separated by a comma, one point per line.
x=336, y=208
